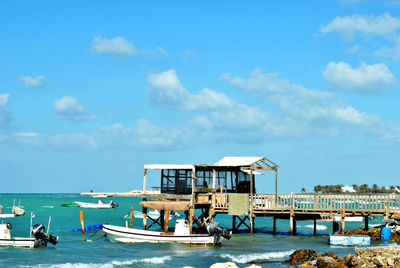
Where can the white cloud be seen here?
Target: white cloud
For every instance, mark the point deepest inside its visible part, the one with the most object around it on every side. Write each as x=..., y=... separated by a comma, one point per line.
x=117, y=46
x=390, y=52
x=153, y=53
x=366, y=79
x=69, y=108
x=348, y=26
x=33, y=81
x=188, y=54
x=320, y=109
x=258, y=82
x=5, y=114
x=166, y=90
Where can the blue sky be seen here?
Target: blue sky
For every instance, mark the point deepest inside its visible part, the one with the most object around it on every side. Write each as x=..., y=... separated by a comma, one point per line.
x=91, y=91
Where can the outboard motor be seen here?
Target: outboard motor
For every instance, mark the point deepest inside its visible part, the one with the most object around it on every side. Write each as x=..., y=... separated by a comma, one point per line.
x=213, y=228
x=114, y=205
x=39, y=232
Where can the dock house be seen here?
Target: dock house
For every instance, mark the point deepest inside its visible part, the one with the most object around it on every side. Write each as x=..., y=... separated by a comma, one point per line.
x=229, y=186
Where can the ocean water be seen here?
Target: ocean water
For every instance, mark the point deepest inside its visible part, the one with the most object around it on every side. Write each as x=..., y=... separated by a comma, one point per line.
x=73, y=250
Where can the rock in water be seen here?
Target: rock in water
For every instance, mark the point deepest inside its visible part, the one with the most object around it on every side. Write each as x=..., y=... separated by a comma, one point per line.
x=326, y=262
x=224, y=265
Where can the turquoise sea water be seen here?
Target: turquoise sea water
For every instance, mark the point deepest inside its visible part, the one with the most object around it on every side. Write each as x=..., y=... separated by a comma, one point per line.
x=73, y=251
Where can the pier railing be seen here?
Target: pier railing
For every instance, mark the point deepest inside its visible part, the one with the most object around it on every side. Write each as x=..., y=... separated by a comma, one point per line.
x=380, y=203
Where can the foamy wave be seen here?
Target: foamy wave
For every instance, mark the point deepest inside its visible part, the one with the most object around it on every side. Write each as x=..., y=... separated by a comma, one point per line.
x=47, y=206
x=254, y=257
x=112, y=264
x=319, y=227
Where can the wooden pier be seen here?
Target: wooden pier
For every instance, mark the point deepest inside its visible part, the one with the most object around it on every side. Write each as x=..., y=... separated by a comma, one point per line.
x=228, y=187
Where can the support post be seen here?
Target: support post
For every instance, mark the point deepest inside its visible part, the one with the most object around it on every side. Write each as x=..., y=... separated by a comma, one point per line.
x=144, y=181
x=315, y=226
x=144, y=218
x=191, y=220
x=131, y=225
x=292, y=224
x=214, y=179
x=251, y=201
x=342, y=224
x=274, y=225
x=166, y=221
x=82, y=217
x=366, y=223
x=233, y=224
x=276, y=188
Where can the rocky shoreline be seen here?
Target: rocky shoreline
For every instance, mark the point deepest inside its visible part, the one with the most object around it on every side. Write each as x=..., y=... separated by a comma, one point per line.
x=388, y=256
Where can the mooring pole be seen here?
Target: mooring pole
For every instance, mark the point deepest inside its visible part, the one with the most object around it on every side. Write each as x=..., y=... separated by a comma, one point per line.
x=131, y=225
x=166, y=221
x=82, y=222
x=315, y=226
x=366, y=223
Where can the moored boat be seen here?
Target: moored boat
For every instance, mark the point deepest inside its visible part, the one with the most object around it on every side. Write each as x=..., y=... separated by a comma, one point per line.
x=99, y=204
x=38, y=237
x=181, y=235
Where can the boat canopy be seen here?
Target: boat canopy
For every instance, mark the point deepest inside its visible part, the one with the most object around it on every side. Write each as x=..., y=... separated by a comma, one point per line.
x=166, y=205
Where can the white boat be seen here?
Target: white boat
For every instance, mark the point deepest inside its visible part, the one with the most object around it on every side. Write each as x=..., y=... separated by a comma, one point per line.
x=349, y=240
x=99, y=204
x=15, y=211
x=181, y=235
x=155, y=214
x=37, y=238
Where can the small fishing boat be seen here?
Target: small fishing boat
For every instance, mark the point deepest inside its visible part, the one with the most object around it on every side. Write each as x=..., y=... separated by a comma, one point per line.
x=38, y=236
x=15, y=211
x=155, y=214
x=349, y=240
x=99, y=204
x=181, y=235
x=69, y=205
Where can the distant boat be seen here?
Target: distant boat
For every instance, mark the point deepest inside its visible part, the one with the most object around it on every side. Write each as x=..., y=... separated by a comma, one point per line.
x=181, y=235
x=15, y=211
x=155, y=214
x=99, y=204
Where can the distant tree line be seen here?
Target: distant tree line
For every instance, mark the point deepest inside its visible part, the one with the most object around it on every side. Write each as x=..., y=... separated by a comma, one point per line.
x=360, y=189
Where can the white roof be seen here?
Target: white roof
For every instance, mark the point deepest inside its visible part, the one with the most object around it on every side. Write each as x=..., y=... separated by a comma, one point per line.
x=237, y=161
x=167, y=166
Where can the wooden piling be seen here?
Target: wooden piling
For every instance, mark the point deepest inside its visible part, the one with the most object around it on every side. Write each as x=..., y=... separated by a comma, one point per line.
x=292, y=224
x=131, y=225
x=166, y=221
x=315, y=226
x=234, y=224
x=342, y=223
x=144, y=218
x=191, y=220
x=251, y=225
x=274, y=225
x=82, y=217
x=366, y=222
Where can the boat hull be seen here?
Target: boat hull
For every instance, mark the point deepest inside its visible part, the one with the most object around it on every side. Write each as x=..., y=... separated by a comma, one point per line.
x=131, y=235
x=349, y=240
x=20, y=242
x=91, y=205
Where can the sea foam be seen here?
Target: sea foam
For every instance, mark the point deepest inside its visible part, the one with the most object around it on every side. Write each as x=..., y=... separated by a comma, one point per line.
x=111, y=264
x=245, y=258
